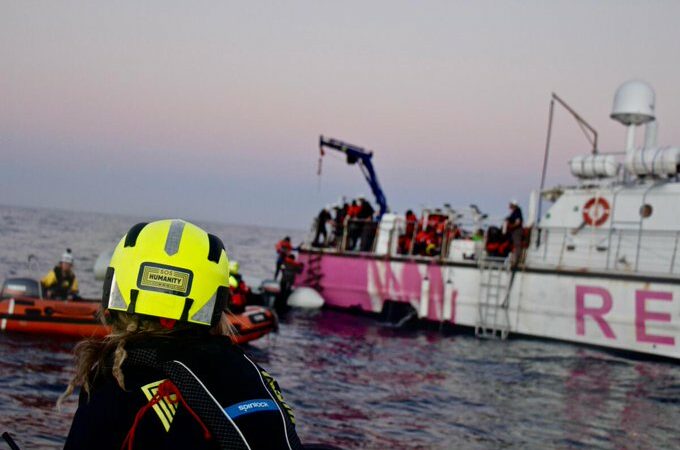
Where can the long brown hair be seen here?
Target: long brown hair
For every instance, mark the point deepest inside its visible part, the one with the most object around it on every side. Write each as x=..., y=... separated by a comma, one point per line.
x=91, y=354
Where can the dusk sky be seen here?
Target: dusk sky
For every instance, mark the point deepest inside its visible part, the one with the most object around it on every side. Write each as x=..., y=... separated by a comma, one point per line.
x=212, y=110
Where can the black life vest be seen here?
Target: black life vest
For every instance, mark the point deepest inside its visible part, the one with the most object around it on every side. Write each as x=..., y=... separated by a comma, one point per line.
x=62, y=288
x=234, y=398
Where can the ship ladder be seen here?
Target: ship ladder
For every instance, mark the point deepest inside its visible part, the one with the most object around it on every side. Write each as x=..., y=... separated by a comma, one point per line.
x=314, y=273
x=493, y=318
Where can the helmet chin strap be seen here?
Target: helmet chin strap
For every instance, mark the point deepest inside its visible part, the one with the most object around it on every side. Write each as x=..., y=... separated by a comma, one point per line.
x=134, y=293
x=185, y=312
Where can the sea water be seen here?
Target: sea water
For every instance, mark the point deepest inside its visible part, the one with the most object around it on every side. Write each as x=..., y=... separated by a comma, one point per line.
x=352, y=381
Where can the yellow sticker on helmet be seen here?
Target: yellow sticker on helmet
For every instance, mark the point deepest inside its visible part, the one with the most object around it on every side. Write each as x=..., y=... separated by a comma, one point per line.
x=162, y=278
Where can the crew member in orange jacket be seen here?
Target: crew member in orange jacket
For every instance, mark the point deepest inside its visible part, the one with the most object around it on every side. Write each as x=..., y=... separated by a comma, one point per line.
x=283, y=249
x=353, y=228
x=406, y=238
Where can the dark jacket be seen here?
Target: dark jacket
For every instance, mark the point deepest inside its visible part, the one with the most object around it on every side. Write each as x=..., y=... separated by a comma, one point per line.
x=231, y=394
x=515, y=219
x=323, y=217
x=59, y=285
x=366, y=211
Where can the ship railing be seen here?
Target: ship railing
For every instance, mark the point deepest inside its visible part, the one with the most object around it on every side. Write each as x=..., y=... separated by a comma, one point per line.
x=398, y=239
x=358, y=235
x=403, y=239
x=610, y=249
x=351, y=236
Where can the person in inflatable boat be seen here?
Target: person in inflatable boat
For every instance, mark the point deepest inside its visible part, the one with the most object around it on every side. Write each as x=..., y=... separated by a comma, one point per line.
x=168, y=376
x=61, y=282
x=238, y=289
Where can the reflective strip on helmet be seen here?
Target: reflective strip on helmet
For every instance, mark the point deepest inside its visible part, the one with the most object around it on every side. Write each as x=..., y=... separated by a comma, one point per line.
x=116, y=300
x=174, y=237
x=204, y=315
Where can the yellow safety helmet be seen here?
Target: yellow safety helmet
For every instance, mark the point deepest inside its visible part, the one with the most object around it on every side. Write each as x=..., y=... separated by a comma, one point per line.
x=170, y=269
x=233, y=282
x=233, y=267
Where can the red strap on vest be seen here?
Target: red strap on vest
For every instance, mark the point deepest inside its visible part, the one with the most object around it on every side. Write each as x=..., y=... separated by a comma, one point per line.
x=165, y=390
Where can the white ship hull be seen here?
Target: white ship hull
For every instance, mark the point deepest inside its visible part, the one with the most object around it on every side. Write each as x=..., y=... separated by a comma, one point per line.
x=626, y=312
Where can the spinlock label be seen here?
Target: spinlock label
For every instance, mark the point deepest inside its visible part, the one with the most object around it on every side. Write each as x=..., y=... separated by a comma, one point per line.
x=162, y=278
x=250, y=406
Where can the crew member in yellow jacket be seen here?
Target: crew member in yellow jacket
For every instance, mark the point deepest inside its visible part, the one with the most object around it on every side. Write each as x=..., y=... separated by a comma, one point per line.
x=61, y=283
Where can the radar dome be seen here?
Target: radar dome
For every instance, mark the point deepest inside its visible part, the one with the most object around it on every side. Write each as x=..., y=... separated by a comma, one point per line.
x=634, y=103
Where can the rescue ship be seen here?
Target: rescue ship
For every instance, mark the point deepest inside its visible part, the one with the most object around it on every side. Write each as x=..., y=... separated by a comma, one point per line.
x=601, y=266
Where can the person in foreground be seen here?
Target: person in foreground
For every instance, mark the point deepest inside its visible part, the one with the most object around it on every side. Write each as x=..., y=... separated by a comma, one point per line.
x=168, y=377
x=60, y=282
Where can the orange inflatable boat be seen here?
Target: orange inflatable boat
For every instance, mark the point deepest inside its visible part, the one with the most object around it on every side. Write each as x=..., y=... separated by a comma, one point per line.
x=29, y=313
x=34, y=315
x=253, y=323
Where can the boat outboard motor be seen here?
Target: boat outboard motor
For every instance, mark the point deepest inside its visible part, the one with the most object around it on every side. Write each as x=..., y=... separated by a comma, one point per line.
x=21, y=287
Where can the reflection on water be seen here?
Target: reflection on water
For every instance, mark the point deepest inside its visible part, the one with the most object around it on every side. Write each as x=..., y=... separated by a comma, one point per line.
x=32, y=375
x=355, y=383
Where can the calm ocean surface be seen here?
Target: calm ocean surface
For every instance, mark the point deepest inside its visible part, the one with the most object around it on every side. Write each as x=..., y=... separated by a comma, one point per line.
x=351, y=381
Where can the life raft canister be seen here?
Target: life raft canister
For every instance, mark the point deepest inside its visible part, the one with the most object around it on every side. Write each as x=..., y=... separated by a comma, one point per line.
x=596, y=211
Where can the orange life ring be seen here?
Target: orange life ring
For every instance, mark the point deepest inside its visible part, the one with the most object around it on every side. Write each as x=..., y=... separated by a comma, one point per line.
x=596, y=211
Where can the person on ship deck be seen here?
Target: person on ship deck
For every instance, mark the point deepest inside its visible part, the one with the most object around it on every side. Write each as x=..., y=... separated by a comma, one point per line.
x=455, y=232
x=368, y=226
x=61, y=282
x=353, y=228
x=425, y=242
x=339, y=223
x=405, y=239
x=321, y=220
x=478, y=236
x=513, y=228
